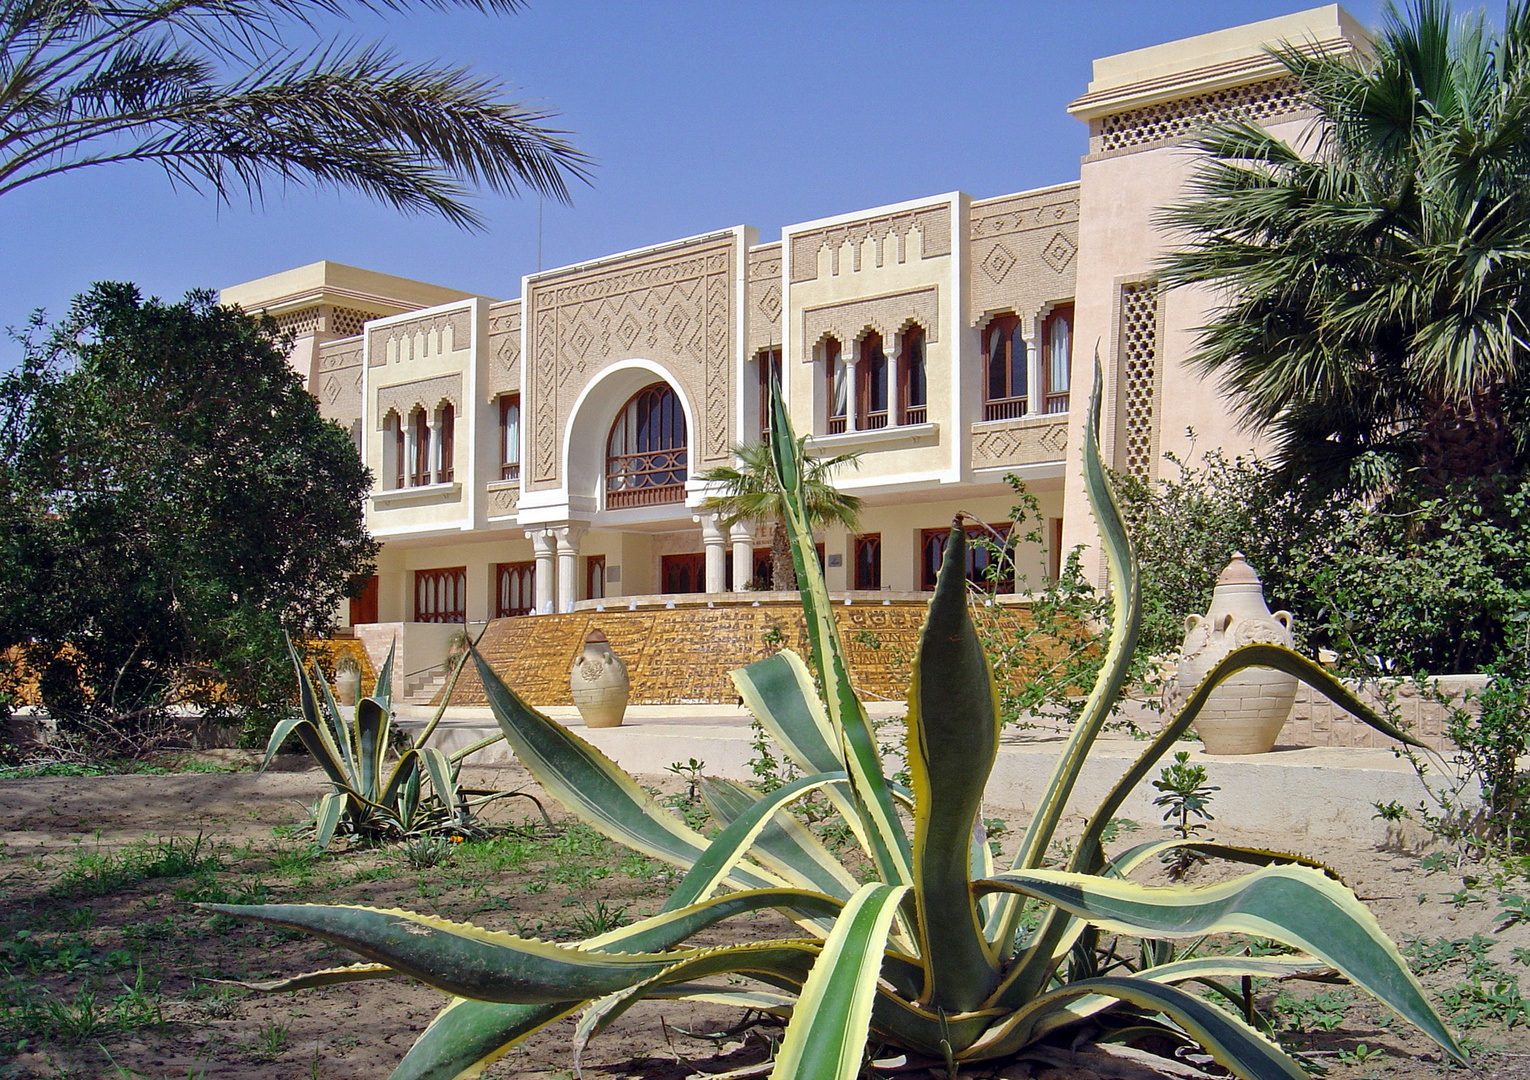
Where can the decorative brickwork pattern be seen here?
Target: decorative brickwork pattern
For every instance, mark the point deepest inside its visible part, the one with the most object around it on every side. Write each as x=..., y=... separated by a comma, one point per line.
x=504, y=348
x=1137, y=442
x=1178, y=119
x=675, y=308
x=1008, y=443
x=504, y=495
x=887, y=315
x=889, y=235
x=424, y=394
x=764, y=301
x=683, y=656
x=338, y=386
x=299, y=323
x=347, y=322
x=1023, y=251
x=430, y=335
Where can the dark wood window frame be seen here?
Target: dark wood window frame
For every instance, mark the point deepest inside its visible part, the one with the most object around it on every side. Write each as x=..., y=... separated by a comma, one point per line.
x=769, y=364
x=1003, y=399
x=932, y=546
x=871, y=384
x=448, y=443
x=419, y=468
x=509, y=437
x=440, y=595
x=400, y=453
x=595, y=577
x=866, y=561
x=1057, y=336
x=514, y=589
x=833, y=364
x=913, y=382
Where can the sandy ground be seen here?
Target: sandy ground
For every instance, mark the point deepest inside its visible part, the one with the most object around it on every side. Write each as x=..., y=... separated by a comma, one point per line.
x=53, y=826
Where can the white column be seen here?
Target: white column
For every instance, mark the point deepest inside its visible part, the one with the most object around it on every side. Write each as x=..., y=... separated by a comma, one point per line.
x=568, y=566
x=433, y=422
x=714, y=543
x=743, y=556
x=542, y=545
x=852, y=397
x=892, y=350
x=1035, y=372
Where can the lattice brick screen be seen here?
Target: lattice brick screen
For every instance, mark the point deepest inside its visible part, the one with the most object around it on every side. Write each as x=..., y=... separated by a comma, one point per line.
x=1172, y=119
x=1137, y=446
x=347, y=322
x=298, y=323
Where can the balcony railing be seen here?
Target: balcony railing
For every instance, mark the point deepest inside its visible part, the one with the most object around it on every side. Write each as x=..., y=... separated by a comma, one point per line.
x=915, y=414
x=836, y=425
x=1055, y=403
x=645, y=479
x=1005, y=408
x=873, y=420
x=510, y=471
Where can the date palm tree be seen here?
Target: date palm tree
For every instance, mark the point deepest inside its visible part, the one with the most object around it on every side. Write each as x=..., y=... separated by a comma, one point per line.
x=749, y=492
x=1375, y=277
x=208, y=90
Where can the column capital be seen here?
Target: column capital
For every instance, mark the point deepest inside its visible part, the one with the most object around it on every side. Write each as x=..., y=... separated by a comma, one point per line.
x=711, y=529
x=741, y=532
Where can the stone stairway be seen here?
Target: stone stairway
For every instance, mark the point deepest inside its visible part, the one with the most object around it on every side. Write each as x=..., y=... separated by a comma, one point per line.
x=423, y=688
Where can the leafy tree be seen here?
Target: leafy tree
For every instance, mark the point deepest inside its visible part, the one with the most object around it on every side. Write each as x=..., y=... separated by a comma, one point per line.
x=207, y=90
x=750, y=493
x=1375, y=275
x=170, y=502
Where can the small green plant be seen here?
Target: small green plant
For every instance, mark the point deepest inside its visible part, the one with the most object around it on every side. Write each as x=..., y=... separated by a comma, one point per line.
x=921, y=944
x=100, y=871
x=423, y=852
x=271, y=1039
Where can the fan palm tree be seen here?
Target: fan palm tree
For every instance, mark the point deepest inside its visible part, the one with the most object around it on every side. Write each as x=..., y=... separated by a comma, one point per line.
x=1376, y=277
x=207, y=90
x=750, y=492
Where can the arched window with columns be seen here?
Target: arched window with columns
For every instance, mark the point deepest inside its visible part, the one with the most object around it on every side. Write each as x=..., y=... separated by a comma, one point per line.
x=1006, y=364
x=871, y=384
x=646, y=454
x=913, y=390
x=835, y=392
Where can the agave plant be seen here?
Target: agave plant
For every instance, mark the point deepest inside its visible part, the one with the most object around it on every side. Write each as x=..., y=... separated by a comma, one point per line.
x=371, y=799
x=941, y=954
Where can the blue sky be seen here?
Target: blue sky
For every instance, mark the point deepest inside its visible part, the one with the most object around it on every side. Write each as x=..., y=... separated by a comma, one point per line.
x=700, y=115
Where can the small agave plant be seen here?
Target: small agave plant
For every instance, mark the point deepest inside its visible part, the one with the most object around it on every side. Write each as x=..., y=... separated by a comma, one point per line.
x=941, y=955
x=371, y=798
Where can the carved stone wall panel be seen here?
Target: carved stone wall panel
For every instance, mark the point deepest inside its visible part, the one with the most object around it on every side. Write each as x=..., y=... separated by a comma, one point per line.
x=764, y=298
x=430, y=335
x=675, y=308
x=1023, y=252
x=338, y=386
x=504, y=348
x=887, y=315
x=422, y=394
x=1003, y=443
x=890, y=233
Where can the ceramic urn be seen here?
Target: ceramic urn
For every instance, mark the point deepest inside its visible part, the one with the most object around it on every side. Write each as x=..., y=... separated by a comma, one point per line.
x=599, y=683
x=1244, y=715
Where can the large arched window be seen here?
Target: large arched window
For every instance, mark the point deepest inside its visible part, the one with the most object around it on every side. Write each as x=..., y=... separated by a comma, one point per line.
x=871, y=389
x=1005, y=363
x=646, y=462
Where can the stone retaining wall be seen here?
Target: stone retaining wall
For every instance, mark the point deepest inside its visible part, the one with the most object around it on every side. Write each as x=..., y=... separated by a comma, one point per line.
x=1316, y=721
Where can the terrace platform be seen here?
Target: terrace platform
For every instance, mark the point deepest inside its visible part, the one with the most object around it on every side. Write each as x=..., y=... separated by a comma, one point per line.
x=1322, y=793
